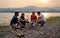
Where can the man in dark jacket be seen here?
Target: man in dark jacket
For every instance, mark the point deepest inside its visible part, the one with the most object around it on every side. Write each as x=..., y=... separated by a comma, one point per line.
x=14, y=25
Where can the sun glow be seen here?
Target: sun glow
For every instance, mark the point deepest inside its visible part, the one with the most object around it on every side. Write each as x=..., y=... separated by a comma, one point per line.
x=43, y=1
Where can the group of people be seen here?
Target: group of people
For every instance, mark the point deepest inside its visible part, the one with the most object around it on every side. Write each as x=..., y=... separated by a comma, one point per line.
x=21, y=22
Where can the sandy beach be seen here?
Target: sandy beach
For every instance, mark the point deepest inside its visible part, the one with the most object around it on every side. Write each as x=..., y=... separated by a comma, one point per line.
x=50, y=30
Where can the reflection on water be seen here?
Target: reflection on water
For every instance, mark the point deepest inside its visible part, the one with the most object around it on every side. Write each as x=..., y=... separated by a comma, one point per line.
x=6, y=17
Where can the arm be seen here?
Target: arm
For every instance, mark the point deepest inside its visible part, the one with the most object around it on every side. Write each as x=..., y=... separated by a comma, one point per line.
x=31, y=18
x=22, y=19
x=35, y=17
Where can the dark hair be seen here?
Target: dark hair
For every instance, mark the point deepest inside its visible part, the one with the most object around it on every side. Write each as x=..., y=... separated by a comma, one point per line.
x=16, y=13
x=39, y=12
x=33, y=12
x=22, y=14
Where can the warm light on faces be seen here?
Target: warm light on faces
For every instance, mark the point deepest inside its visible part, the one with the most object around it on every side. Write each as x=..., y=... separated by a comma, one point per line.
x=43, y=1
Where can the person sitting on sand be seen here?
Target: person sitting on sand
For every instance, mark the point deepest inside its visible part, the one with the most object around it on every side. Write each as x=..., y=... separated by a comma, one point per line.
x=14, y=24
x=23, y=21
x=43, y=18
x=33, y=19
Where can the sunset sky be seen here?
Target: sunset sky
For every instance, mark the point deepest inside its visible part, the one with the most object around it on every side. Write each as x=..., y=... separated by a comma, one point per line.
x=24, y=3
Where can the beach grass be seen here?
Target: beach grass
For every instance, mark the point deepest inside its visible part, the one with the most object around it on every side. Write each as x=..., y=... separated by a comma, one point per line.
x=3, y=25
x=53, y=20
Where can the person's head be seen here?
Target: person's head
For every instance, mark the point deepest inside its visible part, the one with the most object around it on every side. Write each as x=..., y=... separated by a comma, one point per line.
x=16, y=13
x=22, y=14
x=38, y=13
x=33, y=13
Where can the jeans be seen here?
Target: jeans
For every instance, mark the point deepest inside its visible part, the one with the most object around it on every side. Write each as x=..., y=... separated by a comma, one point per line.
x=22, y=24
x=43, y=22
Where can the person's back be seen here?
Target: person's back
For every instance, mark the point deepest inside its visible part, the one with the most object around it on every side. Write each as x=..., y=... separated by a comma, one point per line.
x=43, y=17
x=14, y=20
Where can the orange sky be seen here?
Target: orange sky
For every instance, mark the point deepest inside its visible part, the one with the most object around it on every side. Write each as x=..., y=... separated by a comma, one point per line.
x=24, y=3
